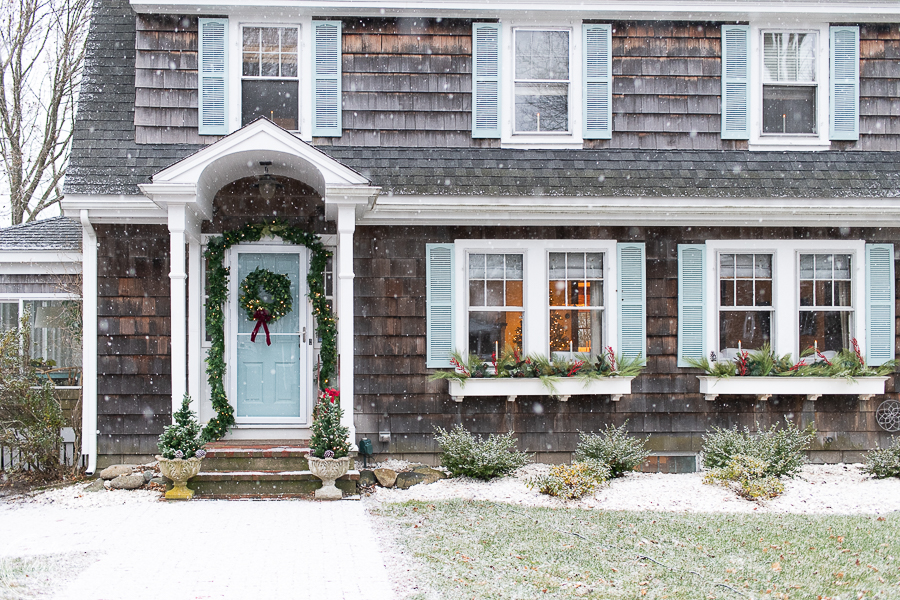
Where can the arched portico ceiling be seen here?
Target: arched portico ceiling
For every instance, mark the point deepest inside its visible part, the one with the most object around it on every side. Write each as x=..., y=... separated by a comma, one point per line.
x=195, y=180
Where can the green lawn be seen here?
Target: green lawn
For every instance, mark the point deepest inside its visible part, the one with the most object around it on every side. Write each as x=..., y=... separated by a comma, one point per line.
x=485, y=550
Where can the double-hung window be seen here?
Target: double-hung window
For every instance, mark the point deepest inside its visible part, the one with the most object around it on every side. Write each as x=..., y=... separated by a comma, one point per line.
x=785, y=87
x=270, y=85
x=790, y=294
x=538, y=297
x=541, y=85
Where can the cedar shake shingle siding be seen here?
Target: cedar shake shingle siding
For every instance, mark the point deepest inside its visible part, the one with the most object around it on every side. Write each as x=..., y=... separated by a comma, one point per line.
x=133, y=379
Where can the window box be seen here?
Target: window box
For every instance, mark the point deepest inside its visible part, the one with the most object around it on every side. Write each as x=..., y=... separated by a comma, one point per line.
x=615, y=387
x=811, y=387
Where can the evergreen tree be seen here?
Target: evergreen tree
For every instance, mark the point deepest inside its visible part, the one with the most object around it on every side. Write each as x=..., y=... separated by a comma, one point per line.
x=327, y=431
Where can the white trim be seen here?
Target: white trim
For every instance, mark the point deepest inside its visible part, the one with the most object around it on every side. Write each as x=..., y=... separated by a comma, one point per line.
x=563, y=387
x=114, y=208
x=6, y=296
x=698, y=10
x=508, y=137
x=760, y=141
x=89, y=342
x=785, y=275
x=536, y=310
x=811, y=387
x=40, y=262
x=393, y=209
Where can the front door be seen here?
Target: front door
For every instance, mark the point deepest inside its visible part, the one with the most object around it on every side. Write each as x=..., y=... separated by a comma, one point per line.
x=272, y=385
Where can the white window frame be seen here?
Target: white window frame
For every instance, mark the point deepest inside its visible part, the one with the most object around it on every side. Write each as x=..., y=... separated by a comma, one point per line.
x=536, y=301
x=304, y=70
x=742, y=309
x=572, y=139
x=785, y=286
x=817, y=141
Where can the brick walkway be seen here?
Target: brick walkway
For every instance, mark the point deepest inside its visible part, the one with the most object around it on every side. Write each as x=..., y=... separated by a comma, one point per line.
x=242, y=550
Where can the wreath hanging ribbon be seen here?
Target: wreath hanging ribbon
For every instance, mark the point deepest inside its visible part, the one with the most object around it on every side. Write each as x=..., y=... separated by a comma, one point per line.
x=278, y=287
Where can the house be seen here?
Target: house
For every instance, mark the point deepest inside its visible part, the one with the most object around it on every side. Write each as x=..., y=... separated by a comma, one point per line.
x=698, y=177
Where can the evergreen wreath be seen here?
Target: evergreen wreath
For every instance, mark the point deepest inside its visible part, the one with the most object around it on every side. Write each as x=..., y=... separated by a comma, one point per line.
x=276, y=285
x=217, y=293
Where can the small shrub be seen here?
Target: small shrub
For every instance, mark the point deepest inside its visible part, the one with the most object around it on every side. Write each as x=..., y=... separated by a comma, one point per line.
x=572, y=481
x=884, y=462
x=182, y=439
x=750, y=476
x=465, y=454
x=781, y=448
x=613, y=447
x=327, y=432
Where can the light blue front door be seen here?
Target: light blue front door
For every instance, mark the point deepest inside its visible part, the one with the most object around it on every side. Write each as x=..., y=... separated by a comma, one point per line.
x=271, y=381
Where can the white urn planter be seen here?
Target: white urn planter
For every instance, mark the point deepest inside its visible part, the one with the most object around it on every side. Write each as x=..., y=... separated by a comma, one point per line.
x=811, y=387
x=563, y=387
x=328, y=470
x=179, y=470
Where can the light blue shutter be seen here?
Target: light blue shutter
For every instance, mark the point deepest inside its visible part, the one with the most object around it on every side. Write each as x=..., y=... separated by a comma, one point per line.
x=844, y=83
x=485, y=80
x=879, y=303
x=212, y=77
x=735, y=82
x=438, y=304
x=691, y=302
x=632, y=299
x=597, y=81
x=326, y=101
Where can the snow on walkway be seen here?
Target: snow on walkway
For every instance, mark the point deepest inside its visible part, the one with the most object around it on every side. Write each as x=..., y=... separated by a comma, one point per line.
x=203, y=549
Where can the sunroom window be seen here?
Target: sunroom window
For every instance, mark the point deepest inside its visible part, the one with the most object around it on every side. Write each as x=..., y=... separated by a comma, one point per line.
x=496, y=303
x=826, y=305
x=745, y=302
x=789, y=83
x=541, y=81
x=576, y=302
x=270, y=83
x=55, y=327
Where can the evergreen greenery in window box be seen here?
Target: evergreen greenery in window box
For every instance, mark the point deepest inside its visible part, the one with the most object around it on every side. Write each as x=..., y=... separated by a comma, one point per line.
x=329, y=447
x=181, y=450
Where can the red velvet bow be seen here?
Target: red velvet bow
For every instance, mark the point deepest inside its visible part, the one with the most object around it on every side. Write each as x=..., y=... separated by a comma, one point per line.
x=262, y=317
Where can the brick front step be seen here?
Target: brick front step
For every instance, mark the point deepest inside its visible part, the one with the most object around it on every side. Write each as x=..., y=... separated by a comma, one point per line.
x=264, y=484
x=244, y=458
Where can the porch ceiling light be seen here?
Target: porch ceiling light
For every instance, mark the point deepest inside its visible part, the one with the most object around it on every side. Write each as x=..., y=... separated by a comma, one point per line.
x=267, y=184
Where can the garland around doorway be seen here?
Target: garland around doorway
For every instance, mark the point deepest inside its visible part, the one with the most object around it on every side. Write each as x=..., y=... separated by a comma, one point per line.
x=217, y=294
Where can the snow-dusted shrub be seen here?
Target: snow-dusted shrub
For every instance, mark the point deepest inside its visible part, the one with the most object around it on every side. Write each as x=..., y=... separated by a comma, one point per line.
x=884, y=462
x=572, y=481
x=748, y=476
x=613, y=447
x=783, y=448
x=465, y=454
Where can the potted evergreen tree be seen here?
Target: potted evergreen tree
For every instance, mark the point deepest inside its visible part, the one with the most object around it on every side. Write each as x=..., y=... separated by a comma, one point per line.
x=329, y=448
x=181, y=451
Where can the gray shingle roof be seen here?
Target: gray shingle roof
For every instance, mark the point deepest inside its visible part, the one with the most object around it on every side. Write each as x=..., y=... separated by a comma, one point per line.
x=106, y=160
x=58, y=233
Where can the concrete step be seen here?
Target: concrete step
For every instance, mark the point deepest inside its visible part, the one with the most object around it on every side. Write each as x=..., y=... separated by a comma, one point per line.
x=264, y=484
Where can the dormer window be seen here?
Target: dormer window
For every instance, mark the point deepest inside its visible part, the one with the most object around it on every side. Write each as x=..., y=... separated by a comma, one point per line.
x=269, y=76
x=789, y=83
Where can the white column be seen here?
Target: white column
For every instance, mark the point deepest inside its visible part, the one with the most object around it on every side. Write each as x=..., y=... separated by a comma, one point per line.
x=89, y=342
x=178, y=296
x=196, y=327
x=346, y=224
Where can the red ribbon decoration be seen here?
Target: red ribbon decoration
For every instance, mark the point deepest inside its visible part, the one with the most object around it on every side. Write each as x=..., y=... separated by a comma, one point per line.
x=262, y=317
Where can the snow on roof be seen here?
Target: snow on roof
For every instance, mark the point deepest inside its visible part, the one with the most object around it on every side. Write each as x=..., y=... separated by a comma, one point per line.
x=57, y=233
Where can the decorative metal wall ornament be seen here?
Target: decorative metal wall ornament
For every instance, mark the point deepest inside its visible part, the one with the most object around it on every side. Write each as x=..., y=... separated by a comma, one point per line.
x=888, y=415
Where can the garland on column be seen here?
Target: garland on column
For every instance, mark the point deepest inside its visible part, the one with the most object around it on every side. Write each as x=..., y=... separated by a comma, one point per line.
x=217, y=293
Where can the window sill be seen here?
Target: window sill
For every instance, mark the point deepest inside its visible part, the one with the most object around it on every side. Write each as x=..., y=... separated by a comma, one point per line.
x=811, y=387
x=564, y=387
x=552, y=141
x=782, y=144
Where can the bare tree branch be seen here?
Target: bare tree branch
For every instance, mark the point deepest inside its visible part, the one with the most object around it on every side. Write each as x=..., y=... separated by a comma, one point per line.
x=42, y=46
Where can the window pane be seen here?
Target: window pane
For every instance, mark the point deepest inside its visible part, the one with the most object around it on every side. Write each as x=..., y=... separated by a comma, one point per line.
x=842, y=293
x=514, y=293
x=557, y=292
x=726, y=265
x=289, y=65
x=829, y=329
x=9, y=315
x=275, y=100
x=743, y=265
x=494, y=293
x=743, y=292
x=763, y=265
x=595, y=293
x=513, y=266
x=557, y=265
x=476, y=293
x=726, y=292
x=289, y=40
x=542, y=107
x=53, y=334
x=825, y=280
x=806, y=293
x=763, y=292
x=270, y=39
x=575, y=265
x=789, y=109
x=251, y=39
x=576, y=331
x=495, y=266
x=490, y=331
x=251, y=64
x=751, y=328
x=806, y=266
x=789, y=57
x=268, y=66
x=542, y=55
x=476, y=266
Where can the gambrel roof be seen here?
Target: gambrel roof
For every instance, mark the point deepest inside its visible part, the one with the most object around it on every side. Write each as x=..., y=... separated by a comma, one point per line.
x=106, y=160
